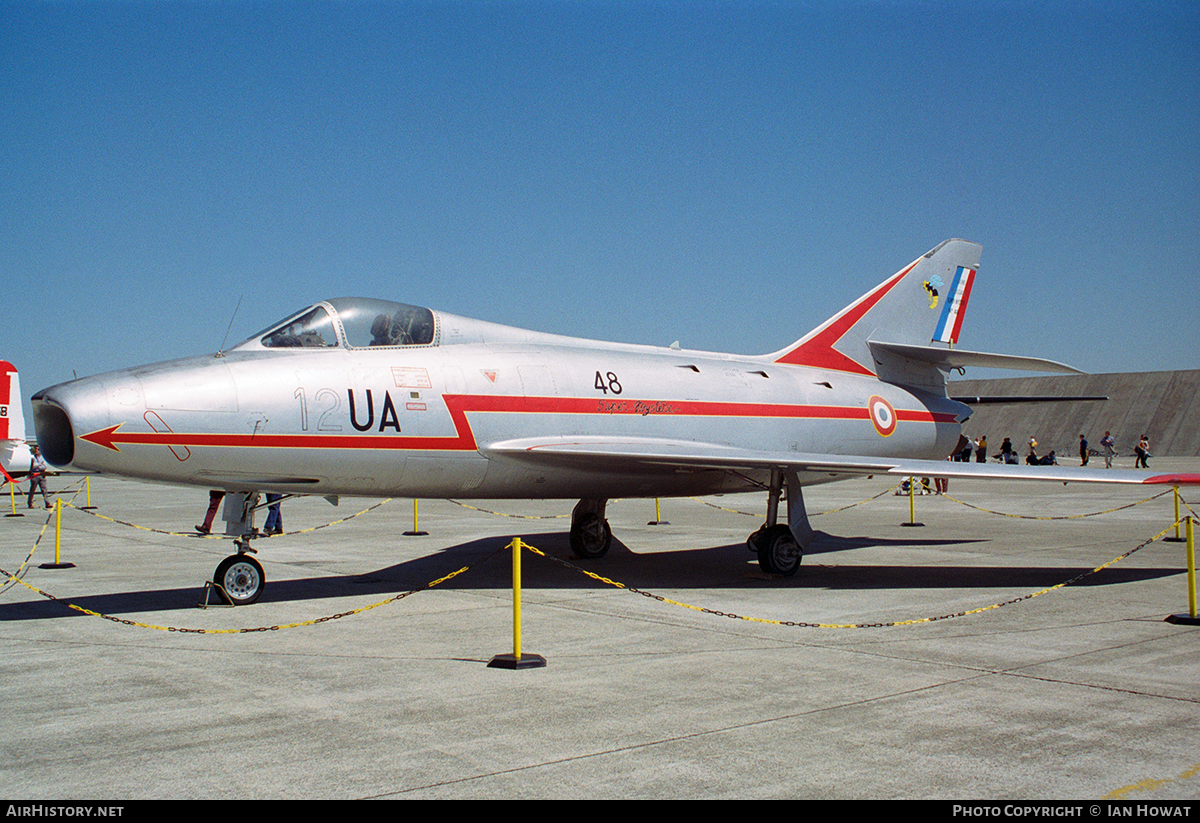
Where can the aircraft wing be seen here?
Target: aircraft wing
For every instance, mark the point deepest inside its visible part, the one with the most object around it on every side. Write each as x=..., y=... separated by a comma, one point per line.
x=653, y=455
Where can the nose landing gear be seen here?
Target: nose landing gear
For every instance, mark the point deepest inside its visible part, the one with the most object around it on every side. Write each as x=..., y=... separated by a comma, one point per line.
x=241, y=577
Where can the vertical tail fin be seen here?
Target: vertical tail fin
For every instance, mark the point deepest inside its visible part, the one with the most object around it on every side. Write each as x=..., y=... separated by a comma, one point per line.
x=14, y=452
x=922, y=303
x=12, y=418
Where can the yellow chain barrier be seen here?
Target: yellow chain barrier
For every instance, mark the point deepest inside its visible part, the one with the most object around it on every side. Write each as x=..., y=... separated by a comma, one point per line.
x=1056, y=517
x=298, y=624
x=504, y=514
x=223, y=536
x=811, y=514
x=15, y=578
x=801, y=624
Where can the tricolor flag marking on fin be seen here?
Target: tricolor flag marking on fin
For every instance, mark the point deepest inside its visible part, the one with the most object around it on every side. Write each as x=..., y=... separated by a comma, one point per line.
x=950, y=323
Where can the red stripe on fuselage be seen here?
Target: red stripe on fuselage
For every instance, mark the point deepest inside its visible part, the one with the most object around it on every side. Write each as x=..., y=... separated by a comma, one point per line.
x=459, y=405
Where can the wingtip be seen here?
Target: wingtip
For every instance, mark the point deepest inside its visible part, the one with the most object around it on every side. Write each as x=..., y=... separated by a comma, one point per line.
x=1178, y=479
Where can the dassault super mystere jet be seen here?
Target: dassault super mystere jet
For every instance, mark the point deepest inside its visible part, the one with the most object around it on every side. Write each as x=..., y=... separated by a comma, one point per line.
x=357, y=396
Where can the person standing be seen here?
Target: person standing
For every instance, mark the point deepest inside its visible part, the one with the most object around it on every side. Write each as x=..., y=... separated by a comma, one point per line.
x=37, y=477
x=1007, y=454
x=274, y=524
x=981, y=450
x=1109, y=449
x=942, y=484
x=1083, y=450
x=1143, y=453
x=214, y=502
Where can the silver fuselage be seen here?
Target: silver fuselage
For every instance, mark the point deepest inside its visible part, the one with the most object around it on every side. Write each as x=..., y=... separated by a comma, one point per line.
x=419, y=420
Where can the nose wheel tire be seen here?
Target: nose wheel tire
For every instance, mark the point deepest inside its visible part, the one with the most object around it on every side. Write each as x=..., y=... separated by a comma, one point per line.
x=242, y=579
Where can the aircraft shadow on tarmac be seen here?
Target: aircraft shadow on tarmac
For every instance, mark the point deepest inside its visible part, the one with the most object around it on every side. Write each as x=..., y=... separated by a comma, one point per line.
x=717, y=567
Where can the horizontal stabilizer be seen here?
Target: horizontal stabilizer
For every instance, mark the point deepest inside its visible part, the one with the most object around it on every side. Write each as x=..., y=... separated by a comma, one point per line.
x=1032, y=398
x=947, y=359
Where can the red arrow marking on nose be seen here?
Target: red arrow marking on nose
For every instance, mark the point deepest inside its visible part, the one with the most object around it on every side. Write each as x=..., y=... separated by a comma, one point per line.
x=104, y=437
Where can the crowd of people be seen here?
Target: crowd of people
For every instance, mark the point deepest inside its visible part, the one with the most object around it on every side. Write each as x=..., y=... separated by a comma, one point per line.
x=1008, y=452
x=977, y=450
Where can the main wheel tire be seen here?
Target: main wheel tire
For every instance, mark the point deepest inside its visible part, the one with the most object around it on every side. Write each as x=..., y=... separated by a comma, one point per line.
x=591, y=537
x=778, y=551
x=754, y=541
x=242, y=578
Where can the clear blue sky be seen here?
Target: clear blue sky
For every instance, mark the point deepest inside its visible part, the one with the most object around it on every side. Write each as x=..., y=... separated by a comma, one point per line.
x=726, y=174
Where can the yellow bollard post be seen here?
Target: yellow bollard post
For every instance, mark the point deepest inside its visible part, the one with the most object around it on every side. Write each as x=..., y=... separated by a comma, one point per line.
x=12, y=496
x=1191, y=561
x=517, y=660
x=87, y=486
x=1190, y=618
x=1176, y=538
x=516, y=576
x=912, y=503
x=657, y=521
x=57, y=564
x=416, y=532
x=1175, y=489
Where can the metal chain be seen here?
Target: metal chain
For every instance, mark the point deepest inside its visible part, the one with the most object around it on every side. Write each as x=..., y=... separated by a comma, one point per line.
x=1056, y=517
x=223, y=536
x=313, y=622
x=806, y=625
x=812, y=514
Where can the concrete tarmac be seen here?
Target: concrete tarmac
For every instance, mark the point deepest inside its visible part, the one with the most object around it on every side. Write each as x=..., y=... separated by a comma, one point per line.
x=1080, y=692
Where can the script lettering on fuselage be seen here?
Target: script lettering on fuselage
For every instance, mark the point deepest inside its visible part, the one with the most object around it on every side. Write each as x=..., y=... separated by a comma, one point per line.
x=642, y=407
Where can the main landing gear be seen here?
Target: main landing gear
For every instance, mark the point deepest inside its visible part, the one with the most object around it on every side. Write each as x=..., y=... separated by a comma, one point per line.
x=780, y=546
x=777, y=550
x=240, y=576
x=590, y=534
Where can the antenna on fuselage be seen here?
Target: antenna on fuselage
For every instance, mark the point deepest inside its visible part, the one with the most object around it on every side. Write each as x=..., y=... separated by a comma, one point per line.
x=221, y=351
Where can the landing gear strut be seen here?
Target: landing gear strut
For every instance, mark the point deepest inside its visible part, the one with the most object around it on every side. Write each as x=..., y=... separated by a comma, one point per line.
x=590, y=534
x=240, y=575
x=779, y=546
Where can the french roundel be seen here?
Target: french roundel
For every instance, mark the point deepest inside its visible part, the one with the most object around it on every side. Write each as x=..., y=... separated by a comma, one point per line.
x=883, y=416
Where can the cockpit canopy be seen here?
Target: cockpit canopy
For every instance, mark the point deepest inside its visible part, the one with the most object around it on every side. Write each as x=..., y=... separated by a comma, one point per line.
x=353, y=322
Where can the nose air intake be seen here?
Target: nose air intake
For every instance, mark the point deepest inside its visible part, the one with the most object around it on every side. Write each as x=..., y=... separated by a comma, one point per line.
x=54, y=432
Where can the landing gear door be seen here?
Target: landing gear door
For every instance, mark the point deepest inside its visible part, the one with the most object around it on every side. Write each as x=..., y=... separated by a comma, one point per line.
x=238, y=513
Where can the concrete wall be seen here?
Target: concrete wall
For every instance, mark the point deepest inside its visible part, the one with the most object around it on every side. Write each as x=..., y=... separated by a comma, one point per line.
x=1163, y=405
